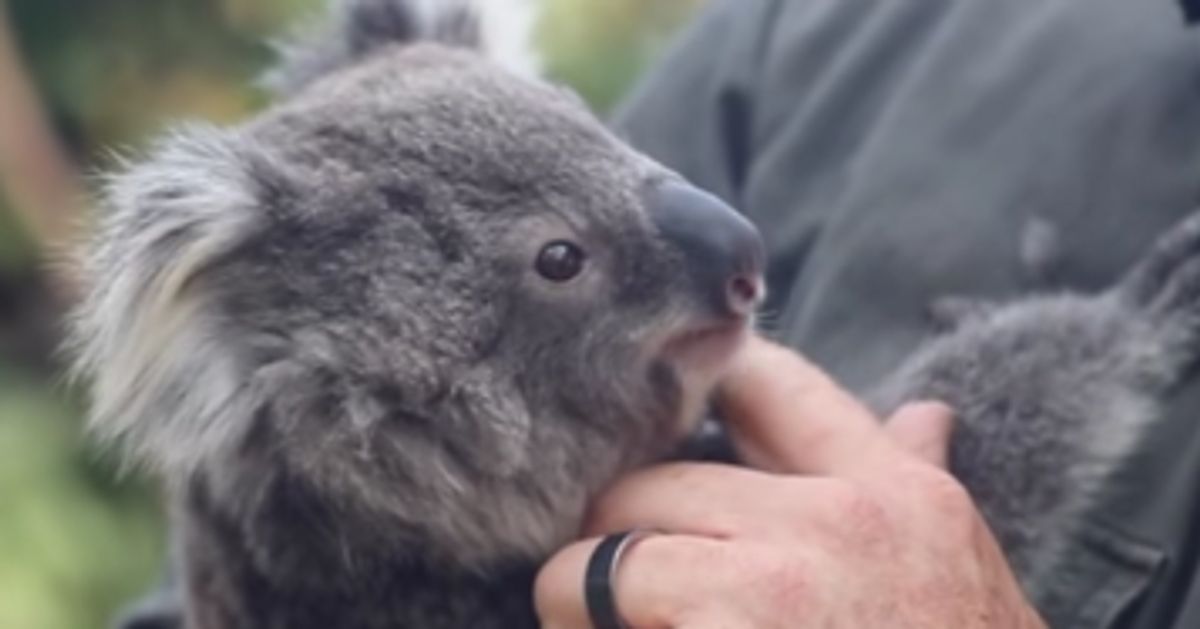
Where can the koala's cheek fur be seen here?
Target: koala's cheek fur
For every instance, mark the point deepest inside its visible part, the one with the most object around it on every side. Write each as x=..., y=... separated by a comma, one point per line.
x=468, y=475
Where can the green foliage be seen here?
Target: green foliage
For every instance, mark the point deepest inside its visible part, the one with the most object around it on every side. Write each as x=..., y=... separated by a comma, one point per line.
x=76, y=541
x=75, y=544
x=15, y=249
x=113, y=71
x=599, y=46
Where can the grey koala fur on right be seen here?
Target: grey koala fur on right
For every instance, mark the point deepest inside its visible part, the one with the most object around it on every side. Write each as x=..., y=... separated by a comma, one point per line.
x=1052, y=392
x=320, y=329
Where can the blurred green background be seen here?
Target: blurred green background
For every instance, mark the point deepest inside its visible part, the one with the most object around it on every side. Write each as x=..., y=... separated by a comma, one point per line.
x=78, y=79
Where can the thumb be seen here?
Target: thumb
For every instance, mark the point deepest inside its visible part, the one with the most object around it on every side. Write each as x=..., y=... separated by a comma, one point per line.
x=923, y=429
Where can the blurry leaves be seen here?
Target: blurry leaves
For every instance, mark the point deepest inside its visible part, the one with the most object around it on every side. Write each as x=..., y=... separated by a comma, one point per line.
x=15, y=248
x=116, y=70
x=74, y=544
x=598, y=46
x=264, y=18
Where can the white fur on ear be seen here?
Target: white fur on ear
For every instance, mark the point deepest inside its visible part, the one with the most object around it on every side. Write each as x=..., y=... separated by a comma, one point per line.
x=144, y=337
x=506, y=32
x=504, y=28
x=500, y=30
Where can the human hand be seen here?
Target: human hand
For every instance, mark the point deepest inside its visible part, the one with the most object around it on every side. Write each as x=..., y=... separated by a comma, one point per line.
x=855, y=525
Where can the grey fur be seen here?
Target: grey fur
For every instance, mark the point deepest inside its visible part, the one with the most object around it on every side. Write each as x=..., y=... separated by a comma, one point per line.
x=323, y=329
x=320, y=329
x=1053, y=391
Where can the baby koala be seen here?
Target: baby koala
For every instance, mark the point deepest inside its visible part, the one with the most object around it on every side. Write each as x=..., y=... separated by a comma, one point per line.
x=1052, y=392
x=384, y=341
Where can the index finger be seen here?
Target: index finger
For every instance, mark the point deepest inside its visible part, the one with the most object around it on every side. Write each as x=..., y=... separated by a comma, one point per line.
x=788, y=410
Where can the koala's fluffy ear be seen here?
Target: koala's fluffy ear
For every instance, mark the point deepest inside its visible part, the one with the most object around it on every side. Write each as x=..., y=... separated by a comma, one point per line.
x=498, y=29
x=146, y=335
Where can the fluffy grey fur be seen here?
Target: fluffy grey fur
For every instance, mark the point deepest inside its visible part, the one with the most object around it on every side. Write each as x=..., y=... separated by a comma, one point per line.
x=1051, y=393
x=322, y=330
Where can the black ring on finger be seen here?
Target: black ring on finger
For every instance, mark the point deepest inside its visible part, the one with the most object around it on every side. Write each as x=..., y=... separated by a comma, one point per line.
x=598, y=579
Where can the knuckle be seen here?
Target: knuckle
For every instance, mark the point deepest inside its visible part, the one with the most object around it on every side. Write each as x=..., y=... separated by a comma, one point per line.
x=674, y=558
x=948, y=496
x=782, y=583
x=950, y=502
x=840, y=510
x=856, y=513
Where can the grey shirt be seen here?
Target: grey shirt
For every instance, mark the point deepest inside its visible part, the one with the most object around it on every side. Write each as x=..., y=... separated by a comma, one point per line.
x=897, y=151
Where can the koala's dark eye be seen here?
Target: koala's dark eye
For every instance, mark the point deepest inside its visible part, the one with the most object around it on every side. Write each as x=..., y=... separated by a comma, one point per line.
x=560, y=261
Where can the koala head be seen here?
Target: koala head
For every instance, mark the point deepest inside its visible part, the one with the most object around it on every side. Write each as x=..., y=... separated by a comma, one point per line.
x=433, y=294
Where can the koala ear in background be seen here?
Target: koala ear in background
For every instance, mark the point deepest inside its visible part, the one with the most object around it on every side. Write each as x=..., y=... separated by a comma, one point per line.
x=164, y=376
x=501, y=30
x=949, y=313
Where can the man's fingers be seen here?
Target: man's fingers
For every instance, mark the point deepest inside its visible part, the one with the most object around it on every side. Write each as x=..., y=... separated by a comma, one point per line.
x=703, y=499
x=924, y=429
x=787, y=410
x=655, y=584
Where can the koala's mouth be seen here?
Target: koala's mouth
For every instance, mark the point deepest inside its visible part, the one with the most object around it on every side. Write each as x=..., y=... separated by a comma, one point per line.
x=707, y=347
x=700, y=357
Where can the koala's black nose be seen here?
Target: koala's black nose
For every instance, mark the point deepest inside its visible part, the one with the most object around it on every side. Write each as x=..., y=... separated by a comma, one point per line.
x=723, y=251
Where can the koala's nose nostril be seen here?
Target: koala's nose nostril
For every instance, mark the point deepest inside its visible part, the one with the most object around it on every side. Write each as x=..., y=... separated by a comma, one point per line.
x=723, y=251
